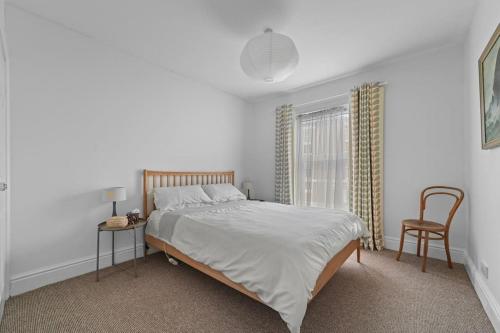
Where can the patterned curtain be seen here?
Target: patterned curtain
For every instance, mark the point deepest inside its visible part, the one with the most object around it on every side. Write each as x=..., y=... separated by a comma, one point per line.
x=283, y=173
x=366, y=179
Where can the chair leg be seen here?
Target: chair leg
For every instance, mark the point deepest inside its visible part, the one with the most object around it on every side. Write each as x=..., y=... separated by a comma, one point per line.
x=419, y=241
x=401, y=242
x=426, y=248
x=447, y=248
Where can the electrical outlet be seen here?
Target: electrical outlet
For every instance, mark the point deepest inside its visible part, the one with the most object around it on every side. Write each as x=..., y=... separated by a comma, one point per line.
x=484, y=269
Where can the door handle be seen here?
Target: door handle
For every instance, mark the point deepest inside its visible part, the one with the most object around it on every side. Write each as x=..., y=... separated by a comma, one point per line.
x=3, y=187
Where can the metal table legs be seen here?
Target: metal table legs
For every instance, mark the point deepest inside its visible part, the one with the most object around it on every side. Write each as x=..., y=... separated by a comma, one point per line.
x=135, y=253
x=113, y=250
x=97, y=259
x=145, y=245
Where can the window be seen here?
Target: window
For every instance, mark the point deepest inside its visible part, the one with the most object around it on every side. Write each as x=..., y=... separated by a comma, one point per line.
x=322, y=158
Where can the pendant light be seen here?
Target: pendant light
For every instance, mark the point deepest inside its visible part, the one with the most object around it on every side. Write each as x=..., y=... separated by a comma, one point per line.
x=270, y=57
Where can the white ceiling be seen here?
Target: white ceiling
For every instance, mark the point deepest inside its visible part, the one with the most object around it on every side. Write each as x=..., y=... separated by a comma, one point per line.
x=202, y=39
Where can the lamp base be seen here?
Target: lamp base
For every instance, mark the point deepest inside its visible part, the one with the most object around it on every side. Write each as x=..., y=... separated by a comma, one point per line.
x=114, y=208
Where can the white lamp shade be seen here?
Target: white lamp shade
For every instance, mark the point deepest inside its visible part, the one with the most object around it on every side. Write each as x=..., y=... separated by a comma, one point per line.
x=270, y=57
x=248, y=188
x=247, y=185
x=114, y=194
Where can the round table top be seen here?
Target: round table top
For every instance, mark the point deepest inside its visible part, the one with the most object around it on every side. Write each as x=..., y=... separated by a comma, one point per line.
x=102, y=226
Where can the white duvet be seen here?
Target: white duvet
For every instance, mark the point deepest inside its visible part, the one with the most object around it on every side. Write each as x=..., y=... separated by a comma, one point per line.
x=274, y=250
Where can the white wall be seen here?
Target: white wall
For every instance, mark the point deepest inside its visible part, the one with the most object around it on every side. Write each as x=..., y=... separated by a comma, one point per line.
x=423, y=134
x=86, y=117
x=482, y=171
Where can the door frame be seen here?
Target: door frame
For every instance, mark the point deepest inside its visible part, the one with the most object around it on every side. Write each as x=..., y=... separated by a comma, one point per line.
x=5, y=56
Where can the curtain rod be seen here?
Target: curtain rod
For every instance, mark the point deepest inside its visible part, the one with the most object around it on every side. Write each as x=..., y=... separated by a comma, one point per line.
x=331, y=97
x=335, y=109
x=320, y=100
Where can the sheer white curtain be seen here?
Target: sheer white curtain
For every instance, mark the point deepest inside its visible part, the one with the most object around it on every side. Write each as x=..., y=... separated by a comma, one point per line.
x=322, y=159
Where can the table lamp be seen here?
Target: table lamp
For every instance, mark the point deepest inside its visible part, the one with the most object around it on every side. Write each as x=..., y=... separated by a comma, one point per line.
x=114, y=194
x=248, y=189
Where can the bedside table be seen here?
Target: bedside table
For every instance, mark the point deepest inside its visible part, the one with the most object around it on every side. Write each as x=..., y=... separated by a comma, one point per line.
x=103, y=227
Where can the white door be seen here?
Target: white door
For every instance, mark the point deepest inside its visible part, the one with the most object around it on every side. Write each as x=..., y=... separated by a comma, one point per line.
x=3, y=157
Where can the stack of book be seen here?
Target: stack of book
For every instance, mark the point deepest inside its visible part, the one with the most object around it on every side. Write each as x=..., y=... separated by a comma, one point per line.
x=117, y=221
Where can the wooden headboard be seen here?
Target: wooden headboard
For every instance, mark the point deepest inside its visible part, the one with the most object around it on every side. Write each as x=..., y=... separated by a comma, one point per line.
x=154, y=179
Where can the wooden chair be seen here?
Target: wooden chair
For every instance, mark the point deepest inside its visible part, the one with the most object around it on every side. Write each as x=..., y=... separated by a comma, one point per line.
x=430, y=227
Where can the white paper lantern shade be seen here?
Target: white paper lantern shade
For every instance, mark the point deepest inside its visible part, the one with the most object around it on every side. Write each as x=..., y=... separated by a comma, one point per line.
x=270, y=57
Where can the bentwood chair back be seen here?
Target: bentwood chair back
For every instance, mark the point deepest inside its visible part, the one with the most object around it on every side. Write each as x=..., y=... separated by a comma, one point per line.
x=454, y=192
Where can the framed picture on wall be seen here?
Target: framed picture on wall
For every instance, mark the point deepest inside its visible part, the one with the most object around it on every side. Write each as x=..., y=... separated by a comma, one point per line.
x=489, y=90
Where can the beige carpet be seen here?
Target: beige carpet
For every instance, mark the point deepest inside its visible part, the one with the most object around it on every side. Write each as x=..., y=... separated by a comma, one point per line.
x=380, y=295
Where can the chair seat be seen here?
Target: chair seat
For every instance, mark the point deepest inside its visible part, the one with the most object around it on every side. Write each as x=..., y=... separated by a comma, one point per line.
x=423, y=225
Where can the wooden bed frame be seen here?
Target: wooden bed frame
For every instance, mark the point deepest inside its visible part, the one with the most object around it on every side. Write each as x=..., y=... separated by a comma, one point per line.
x=154, y=179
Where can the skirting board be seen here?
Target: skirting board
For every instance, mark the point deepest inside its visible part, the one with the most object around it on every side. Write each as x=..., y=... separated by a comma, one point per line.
x=436, y=250
x=490, y=304
x=24, y=282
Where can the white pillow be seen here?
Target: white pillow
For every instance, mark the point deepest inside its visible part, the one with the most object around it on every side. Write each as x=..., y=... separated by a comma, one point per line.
x=223, y=192
x=171, y=198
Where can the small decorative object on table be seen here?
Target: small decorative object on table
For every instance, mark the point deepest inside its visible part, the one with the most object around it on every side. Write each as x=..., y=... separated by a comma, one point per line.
x=117, y=221
x=133, y=216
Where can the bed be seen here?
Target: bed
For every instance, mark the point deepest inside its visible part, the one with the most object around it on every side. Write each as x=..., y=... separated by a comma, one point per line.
x=228, y=242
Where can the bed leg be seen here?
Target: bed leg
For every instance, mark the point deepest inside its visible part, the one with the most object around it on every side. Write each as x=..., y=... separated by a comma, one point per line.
x=171, y=260
x=358, y=253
